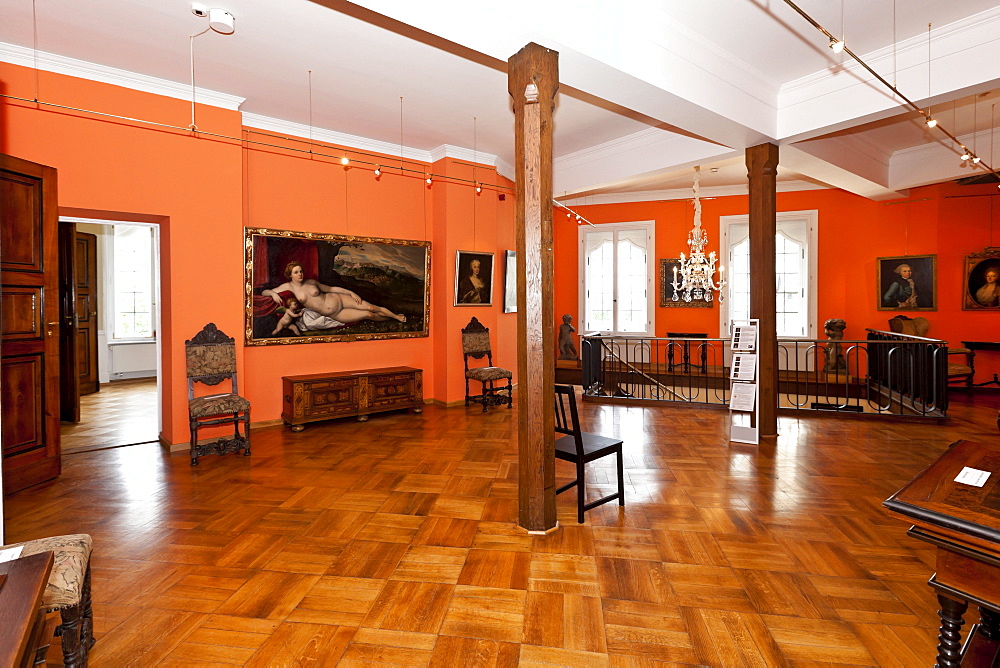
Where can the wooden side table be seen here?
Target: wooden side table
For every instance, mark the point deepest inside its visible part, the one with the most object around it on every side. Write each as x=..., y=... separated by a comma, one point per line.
x=22, y=583
x=963, y=522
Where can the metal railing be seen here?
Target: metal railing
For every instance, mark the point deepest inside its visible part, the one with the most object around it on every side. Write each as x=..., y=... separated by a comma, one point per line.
x=887, y=374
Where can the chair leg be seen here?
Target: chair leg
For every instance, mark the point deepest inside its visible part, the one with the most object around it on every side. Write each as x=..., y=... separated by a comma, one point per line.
x=621, y=479
x=510, y=395
x=246, y=432
x=77, y=628
x=580, y=487
x=194, y=440
x=487, y=393
x=466, y=391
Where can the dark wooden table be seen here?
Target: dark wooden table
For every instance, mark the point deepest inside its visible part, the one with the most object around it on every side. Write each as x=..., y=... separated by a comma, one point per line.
x=973, y=346
x=21, y=620
x=963, y=522
x=686, y=365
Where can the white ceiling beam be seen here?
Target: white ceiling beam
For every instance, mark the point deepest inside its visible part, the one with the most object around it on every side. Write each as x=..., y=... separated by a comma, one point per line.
x=797, y=159
x=666, y=73
x=965, y=56
x=933, y=163
x=633, y=158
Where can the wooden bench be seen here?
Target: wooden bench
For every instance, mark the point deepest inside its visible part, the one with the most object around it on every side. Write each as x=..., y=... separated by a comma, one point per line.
x=324, y=396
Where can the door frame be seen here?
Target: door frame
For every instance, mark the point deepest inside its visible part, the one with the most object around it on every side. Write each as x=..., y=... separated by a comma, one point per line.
x=159, y=225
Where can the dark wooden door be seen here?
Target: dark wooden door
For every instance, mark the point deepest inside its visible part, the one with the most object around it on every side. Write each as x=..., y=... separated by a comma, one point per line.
x=69, y=375
x=86, y=311
x=29, y=324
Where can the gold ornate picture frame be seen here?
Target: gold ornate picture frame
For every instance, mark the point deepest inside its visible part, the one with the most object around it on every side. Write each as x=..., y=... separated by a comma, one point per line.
x=307, y=287
x=981, y=287
x=667, y=289
x=907, y=283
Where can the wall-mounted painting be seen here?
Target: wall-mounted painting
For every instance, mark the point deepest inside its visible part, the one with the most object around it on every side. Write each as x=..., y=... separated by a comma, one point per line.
x=667, y=267
x=907, y=283
x=304, y=287
x=473, y=278
x=981, y=289
x=510, y=283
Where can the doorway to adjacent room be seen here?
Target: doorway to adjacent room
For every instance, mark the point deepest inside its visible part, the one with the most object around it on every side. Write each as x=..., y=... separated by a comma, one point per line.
x=116, y=296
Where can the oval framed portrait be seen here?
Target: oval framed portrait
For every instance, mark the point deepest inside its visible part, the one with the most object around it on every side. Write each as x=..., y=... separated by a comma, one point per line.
x=982, y=281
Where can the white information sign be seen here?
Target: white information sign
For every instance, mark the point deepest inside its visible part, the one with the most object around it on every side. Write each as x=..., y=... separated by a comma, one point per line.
x=974, y=477
x=744, y=338
x=742, y=397
x=10, y=554
x=744, y=367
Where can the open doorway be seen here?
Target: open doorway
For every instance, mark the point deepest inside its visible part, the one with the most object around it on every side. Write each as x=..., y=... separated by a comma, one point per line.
x=116, y=291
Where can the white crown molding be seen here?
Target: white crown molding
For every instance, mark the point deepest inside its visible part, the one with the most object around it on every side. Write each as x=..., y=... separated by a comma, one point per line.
x=682, y=194
x=368, y=145
x=19, y=55
x=332, y=137
x=461, y=153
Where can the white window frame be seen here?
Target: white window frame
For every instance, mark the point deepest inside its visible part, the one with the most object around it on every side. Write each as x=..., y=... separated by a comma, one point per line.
x=811, y=219
x=649, y=226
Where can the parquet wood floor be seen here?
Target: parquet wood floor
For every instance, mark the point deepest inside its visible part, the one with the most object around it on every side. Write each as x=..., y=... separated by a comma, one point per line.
x=393, y=542
x=122, y=413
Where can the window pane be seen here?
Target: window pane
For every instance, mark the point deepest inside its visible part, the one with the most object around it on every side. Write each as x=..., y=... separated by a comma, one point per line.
x=133, y=265
x=790, y=299
x=599, y=302
x=791, y=272
x=632, y=300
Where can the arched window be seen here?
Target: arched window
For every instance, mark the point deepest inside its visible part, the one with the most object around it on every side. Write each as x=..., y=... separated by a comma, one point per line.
x=617, y=278
x=795, y=272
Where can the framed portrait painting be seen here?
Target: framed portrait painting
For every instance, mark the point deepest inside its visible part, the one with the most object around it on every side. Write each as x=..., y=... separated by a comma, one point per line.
x=473, y=278
x=981, y=288
x=305, y=287
x=510, y=282
x=667, y=267
x=907, y=283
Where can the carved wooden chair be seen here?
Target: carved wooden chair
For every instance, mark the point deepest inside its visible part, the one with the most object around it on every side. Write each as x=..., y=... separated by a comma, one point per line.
x=476, y=344
x=68, y=592
x=960, y=368
x=581, y=447
x=211, y=359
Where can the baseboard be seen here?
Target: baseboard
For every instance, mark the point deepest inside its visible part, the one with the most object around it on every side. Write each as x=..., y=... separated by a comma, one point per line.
x=174, y=448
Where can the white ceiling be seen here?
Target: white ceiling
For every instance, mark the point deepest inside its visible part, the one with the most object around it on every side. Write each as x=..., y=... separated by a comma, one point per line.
x=650, y=88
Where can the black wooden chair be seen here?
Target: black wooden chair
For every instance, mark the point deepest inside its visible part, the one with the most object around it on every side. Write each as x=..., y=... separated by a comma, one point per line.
x=476, y=344
x=211, y=359
x=581, y=447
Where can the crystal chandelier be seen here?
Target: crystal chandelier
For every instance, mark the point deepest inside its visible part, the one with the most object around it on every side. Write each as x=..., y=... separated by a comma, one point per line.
x=694, y=279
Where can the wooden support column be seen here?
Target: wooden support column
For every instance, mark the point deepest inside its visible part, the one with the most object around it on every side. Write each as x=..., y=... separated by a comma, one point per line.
x=532, y=80
x=762, y=168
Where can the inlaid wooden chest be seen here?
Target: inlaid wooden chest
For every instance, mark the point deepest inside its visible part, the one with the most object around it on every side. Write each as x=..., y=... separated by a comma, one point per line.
x=322, y=396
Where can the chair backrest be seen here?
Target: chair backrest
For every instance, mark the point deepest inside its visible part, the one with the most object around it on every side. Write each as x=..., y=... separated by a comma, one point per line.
x=567, y=418
x=211, y=358
x=902, y=324
x=476, y=342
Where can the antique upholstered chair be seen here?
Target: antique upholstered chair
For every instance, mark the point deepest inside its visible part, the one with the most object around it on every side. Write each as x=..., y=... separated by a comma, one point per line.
x=476, y=344
x=581, y=447
x=211, y=359
x=68, y=592
x=959, y=359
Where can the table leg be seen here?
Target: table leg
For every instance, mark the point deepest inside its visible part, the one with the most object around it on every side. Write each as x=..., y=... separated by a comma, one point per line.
x=989, y=623
x=950, y=638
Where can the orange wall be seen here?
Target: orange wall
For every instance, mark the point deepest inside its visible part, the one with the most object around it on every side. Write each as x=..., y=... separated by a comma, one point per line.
x=207, y=190
x=853, y=232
